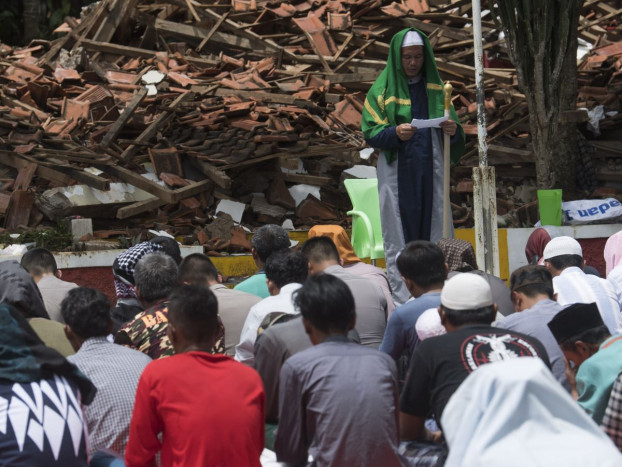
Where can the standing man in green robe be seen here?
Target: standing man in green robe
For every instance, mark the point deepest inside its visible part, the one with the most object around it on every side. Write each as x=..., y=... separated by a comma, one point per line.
x=410, y=166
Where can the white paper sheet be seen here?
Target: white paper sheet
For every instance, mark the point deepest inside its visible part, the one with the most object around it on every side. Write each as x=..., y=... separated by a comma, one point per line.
x=431, y=123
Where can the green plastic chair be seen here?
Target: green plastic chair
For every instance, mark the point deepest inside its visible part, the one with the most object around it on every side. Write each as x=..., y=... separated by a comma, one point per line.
x=366, y=228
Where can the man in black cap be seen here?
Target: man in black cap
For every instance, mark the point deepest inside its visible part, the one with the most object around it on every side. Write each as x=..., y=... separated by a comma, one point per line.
x=595, y=355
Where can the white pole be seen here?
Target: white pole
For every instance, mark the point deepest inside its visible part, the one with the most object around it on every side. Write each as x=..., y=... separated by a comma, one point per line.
x=484, y=191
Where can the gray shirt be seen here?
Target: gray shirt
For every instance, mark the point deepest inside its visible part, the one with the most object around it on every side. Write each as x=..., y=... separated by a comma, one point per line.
x=233, y=308
x=371, y=306
x=53, y=290
x=115, y=371
x=272, y=347
x=533, y=322
x=338, y=403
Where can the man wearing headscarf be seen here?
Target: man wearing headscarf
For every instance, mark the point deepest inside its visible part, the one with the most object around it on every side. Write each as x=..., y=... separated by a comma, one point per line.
x=460, y=257
x=18, y=288
x=613, y=262
x=513, y=413
x=410, y=166
x=41, y=395
x=128, y=305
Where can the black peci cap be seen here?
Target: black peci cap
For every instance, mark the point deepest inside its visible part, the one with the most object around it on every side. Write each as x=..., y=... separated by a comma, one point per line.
x=574, y=320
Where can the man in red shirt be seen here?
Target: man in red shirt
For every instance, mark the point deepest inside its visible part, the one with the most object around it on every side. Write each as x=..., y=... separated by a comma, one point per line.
x=208, y=408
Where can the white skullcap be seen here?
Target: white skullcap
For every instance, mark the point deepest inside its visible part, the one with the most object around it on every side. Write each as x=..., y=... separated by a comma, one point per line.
x=562, y=246
x=429, y=324
x=466, y=291
x=412, y=38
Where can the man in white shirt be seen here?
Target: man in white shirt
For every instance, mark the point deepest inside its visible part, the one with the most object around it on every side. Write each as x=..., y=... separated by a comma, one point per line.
x=41, y=266
x=563, y=256
x=285, y=272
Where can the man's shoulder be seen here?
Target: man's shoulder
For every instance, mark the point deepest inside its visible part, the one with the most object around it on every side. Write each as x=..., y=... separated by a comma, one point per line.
x=226, y=292
x=108, y=353
x=342, y=350
x=422, y=303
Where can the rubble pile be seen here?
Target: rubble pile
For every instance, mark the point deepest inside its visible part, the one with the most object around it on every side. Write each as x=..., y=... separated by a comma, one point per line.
x=181, y=114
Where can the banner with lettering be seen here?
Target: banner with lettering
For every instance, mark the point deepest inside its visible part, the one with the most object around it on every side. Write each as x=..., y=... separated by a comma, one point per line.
x=592, y=211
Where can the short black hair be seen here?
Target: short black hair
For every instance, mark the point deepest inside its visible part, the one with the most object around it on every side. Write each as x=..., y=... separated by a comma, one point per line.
x=87, y=312
x=285, y=267
x=193, y=309
x=169, y=246
x=268, y=239
x=483, y=315
x=593, y=336
x=532, y=280
x=562, y=262
x=327, y=302
x=320, y=249
x=155, y=276
x=197, y=269
x=423, y=263
x=39, y=261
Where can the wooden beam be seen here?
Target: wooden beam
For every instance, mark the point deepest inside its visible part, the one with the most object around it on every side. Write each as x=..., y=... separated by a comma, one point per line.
x=191, y=190
x=139, y=207
x=255, y=39
x=152, y=129
x=354, y=54
x=217, y=176
x=115, y=49
x=197, y=34
x=8, y=158
x=307, y=179
x=124, y=117
x=139, y=181
x=212, y=31
x=92, y=180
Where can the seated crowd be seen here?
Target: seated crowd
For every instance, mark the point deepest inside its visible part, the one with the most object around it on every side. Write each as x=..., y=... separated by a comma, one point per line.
x=309, y=362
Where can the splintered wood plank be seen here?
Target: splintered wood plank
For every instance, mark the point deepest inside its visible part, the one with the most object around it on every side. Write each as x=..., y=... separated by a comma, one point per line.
x=139, y=181
x=191, y=190
x=24, y=176
x=20, y=206
x=215, y=175
x=7, y=158
x=119, y=14
x=152, y=129
x=118, y=125
x=116, y=49
x=212, y=31
x=5, y=198
x=140, y=207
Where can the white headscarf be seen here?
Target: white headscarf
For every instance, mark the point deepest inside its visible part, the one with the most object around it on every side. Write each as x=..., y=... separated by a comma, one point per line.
x=514, y=413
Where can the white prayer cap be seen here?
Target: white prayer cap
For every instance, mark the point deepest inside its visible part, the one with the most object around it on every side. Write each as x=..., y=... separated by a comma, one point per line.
x=562, y=246
x=466, y=291
x=429, y=324
x=412, y=38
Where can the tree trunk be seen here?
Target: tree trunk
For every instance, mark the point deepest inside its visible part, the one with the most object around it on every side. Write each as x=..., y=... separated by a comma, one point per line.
x=32, y=19
x=542, y=42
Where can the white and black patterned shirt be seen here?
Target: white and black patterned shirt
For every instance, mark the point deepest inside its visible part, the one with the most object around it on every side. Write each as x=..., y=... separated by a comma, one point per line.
x=115, y=371
x=41, y=423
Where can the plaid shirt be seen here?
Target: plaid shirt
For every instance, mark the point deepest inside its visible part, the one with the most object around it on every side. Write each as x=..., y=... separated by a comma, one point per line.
x=612, y=421
x=147, y=333
x=115, y=371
